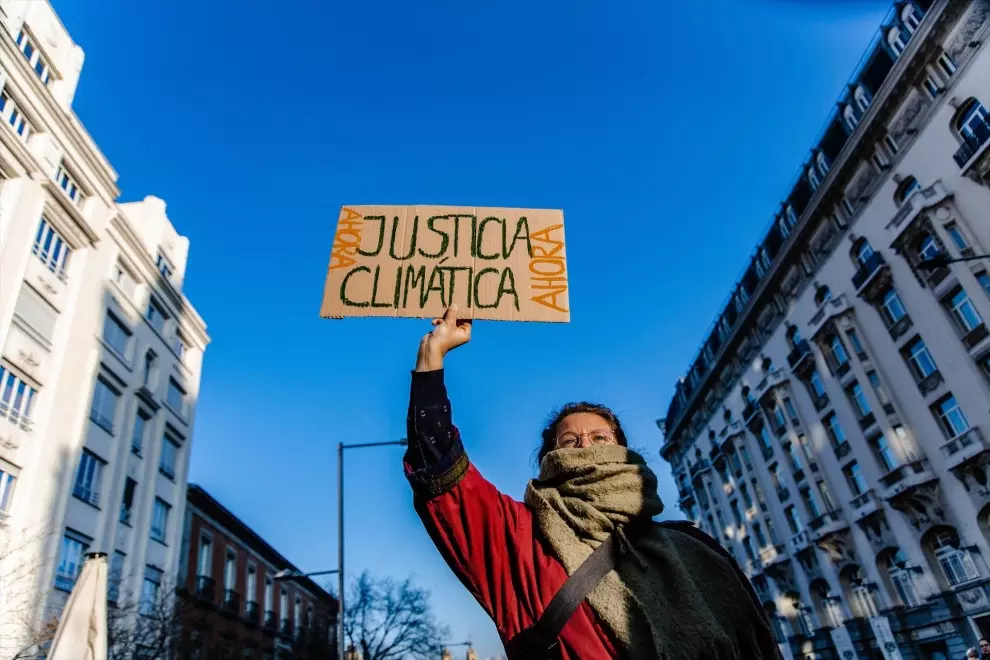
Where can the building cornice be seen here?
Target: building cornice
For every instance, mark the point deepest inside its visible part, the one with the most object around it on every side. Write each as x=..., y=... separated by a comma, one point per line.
x=829, y=188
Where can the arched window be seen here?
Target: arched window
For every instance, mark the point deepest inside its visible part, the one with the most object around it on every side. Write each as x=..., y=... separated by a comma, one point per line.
x=850, y=116
x=902, y=578
x=956, y=562
x=896, y=40
x=861, y=251
x=909, y=16
x=905, y=189
x=860, y=593
x=928, y=247
x=828, y=605
x=862, y=98
x=813, y=178
x=822, y=294
x=822, y=163
x=971, y=121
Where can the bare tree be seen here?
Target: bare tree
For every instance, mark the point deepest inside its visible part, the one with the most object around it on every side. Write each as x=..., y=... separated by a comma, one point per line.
x=21, y=629
x=389, y=620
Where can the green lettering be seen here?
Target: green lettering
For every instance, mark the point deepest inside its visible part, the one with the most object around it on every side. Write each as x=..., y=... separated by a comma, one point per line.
x=343, y=288
x=504, y=288
x=481, y=238
x=477, y=281
x=374, y=290
x=521, y=225
x=412, y=239
x=381, y=236
x=415, y=275
x=444, y=238
x=434, y=285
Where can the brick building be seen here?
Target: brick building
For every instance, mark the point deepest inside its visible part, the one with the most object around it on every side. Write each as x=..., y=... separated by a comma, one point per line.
x=234, y=603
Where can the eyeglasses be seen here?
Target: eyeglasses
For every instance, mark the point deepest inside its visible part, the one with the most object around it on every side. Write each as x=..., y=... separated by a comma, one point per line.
x=569, y=440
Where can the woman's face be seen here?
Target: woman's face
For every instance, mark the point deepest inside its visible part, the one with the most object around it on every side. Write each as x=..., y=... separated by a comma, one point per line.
x=584, y=429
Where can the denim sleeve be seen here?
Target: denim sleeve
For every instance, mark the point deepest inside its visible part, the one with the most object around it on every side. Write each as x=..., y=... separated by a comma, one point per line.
x=435, y=459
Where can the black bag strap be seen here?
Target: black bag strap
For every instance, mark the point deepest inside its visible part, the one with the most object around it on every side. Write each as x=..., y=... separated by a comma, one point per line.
x=539, y=639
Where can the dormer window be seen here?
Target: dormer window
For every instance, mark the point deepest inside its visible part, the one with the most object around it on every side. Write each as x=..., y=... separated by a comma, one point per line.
x=880, y=160
x=813, y=178
x=822, y=162
x=906, y=188
x=849, y=114
x=895, y=39
x=791, y=216
x=862, y=98
x=34, y=57
x=164, y=267
x=909, y=16
x=67, y=183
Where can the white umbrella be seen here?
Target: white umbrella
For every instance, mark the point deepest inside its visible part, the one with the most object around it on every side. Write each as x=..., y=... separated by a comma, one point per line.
x=82, y=632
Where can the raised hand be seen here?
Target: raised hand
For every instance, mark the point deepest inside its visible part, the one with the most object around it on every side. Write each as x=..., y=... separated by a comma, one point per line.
x=448, y=333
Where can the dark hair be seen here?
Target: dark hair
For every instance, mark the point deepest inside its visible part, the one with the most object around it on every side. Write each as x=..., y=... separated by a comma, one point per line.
x=549, y=434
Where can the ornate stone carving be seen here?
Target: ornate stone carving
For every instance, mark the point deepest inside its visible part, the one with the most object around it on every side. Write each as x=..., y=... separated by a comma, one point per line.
x=839, y=547
x=29, y=359
x=877, y=531
x=973, y=23
x=910, y=110
x=922, y=506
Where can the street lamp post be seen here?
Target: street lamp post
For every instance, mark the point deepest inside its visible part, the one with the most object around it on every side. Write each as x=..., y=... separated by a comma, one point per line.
x=942, y=260
x=340, y=531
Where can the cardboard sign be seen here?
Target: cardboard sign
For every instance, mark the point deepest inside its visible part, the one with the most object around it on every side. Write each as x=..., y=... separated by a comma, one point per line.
x=414, y=261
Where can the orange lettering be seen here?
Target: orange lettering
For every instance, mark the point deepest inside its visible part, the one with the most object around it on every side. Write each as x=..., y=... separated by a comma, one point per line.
x=549, y=299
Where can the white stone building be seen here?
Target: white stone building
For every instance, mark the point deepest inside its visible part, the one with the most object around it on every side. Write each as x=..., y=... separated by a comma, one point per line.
x=100, y=352
x=834, y=429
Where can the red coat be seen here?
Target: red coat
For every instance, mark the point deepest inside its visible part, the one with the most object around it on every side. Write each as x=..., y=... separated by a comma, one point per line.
x=489, y=542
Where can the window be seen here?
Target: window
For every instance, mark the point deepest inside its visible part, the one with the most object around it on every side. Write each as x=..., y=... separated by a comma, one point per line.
x=779, y=421
x=104, y=406
x=816, y=384
x=822, y=163
x=150, y=590
x=909, y=16
x=928, y=248
x=793, y=520
x=156, y=315
x=956, y=563
x=148, y=377
x=16, y=398
x=721, y=520
x=35, y=316
x=793, y=458
x=179, y=346
x=87, y=486
x=15, y=116
x=141, y=423
x=891, y=143
x=736, y=514
x=170, y=452
x=920, y=360
x=932, y=87
x=205, y=556
x=963, y=312
x=791, y=412
x=984, y=281
x=880, y=160
x=123, y=279
x=882, y=449
x=35, y=59
x=127, y=505
x=51, y=249
x=159, y=520
x=744, y=455
x=813, y=178
x=826, y=495
x=850, y=116
x=7, y=480
x=878, y=388
x=115, y=576
x=175, y=397
x=810, y=502
x=891, y=308
x=902, y=578
x=952, y=230
x=269, y=594
x=971, y=121
x=761, y=538
x=230, y=570
x=896, y=40
x=164, y=267
x=747, y=498
x=759, y=494
x=283, y=606
x=116, y=334
x=251, y=586
x=863, y=252
x=855, y=478
x=748, y=547
x=858, y=399
x=835, y=432
x=297, y=614
x=950, y=417
x=947, y=65
x=70, y=559
x=68, y=185
x=791, y=216
x=855, y=343
x=905, y=443
x=766, y=440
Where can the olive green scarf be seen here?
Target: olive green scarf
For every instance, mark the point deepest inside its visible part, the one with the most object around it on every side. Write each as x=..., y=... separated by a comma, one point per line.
x=671, y=596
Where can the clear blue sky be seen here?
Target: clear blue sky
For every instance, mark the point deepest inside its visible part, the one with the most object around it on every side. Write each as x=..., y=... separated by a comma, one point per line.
x=668, y=133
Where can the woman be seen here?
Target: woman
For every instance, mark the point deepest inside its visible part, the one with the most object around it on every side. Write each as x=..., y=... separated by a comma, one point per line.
x=675, y=594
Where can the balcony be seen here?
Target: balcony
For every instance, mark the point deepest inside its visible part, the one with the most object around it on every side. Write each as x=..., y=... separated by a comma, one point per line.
x=827, y=523
x=772, y=554
x=750, y=411
x=930, y=383
x=206, y=589
x=868, y=271
x=783, y=493
x=912, y=207
x=905, y=477
x=251, y=612
x=842, y=450
x=285, y=629
x=900, y=328
x=699, y=466
x=867, y=420
x=269, y=620
x=974, y=337
x=829, y=309
x=799, y=541
x=974, y=144
x=799, y=356
x=864, y=504
x=964, y=447
x=820, y=402
x=231, y=601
